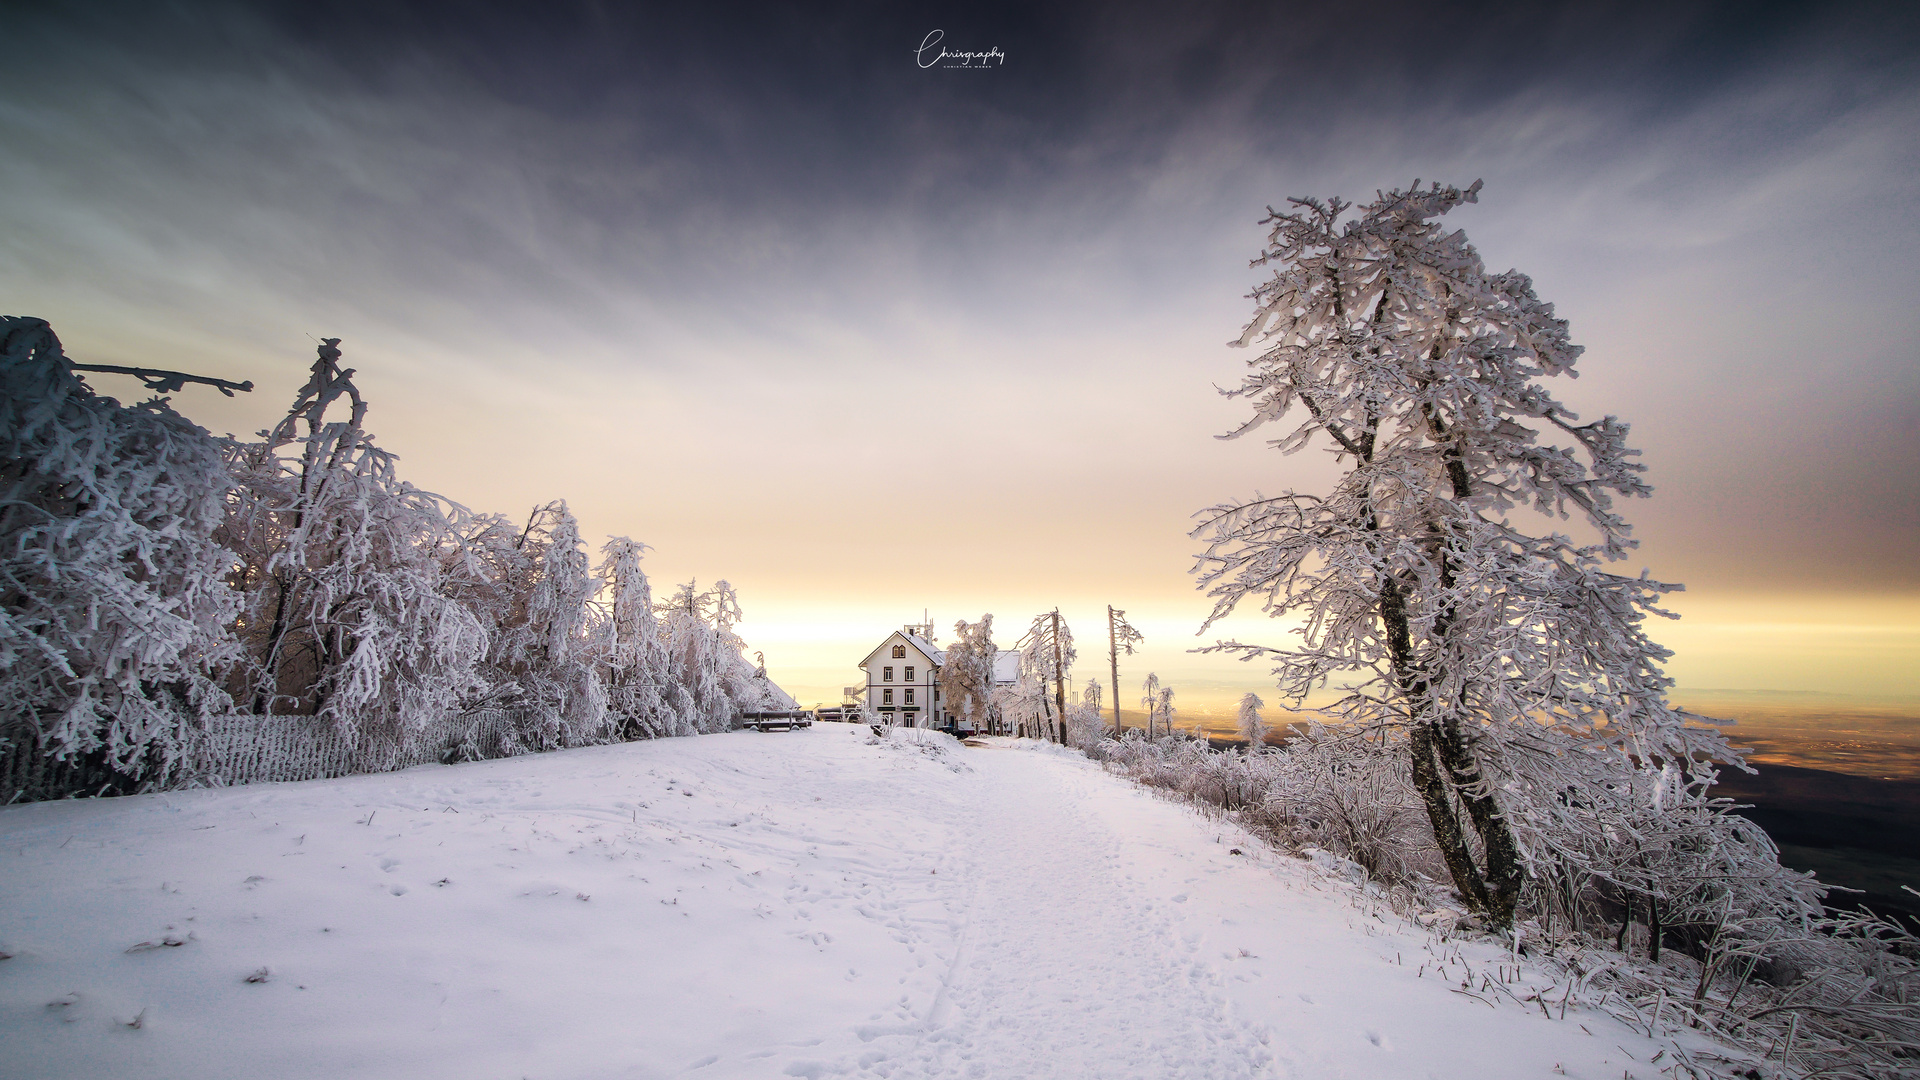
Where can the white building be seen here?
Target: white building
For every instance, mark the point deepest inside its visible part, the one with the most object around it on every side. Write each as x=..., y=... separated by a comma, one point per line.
x=903, y=678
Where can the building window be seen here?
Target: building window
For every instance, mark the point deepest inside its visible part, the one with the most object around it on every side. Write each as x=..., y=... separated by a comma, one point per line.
x=886, y=673
x=899, y=652
x=909, y=673
x=909, y=695
x=886, y=697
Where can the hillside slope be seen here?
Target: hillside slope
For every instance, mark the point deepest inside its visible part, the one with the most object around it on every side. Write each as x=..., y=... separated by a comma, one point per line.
x=806, y=904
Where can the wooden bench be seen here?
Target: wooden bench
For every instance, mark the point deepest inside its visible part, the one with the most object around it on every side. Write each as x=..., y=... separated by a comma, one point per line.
x=785, y=720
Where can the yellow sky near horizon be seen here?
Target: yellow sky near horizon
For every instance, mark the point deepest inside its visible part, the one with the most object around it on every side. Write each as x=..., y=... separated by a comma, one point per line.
x=1863, y=648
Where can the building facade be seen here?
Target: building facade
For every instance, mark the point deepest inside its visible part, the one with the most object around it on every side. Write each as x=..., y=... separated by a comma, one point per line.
x=903, y=679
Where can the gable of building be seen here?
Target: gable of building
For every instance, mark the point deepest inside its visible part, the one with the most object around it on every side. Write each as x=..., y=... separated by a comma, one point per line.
x=914, y=643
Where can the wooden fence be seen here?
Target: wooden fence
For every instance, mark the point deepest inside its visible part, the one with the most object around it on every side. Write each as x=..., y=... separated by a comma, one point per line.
x=262, y=749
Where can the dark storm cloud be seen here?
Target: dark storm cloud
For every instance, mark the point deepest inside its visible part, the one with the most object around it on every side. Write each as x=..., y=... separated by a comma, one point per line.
x=1723, y=191
x=808, y=107
x=788, y=109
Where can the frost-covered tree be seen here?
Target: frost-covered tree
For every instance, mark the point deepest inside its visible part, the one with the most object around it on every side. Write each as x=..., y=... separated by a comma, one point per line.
x=761, y=692
x=113, y=611
x=540, y=637
x=1026, y=706
x=1253, y=728
x=1046, y=658
x=632, y=648
x=1085, y=724
x=709, y=679
x=1515, y=666
x=342, y=565
x=966, y=675
x=1121, y=637
x=1157, y=701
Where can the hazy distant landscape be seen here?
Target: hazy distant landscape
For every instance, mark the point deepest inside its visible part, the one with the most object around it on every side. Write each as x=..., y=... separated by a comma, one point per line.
x=1835, y=732
x=1837, y=784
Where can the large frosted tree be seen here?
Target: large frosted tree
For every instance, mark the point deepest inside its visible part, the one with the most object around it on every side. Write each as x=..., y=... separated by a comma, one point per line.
x=344, y=569
x=1434, y=578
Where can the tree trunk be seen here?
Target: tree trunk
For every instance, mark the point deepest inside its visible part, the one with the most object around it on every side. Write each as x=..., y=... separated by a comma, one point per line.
x=1504, y=872
x=1445, y=769
x=1448, y=833
x=1059, y=679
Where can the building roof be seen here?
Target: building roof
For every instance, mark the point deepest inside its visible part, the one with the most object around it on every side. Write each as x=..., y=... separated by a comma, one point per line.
x=1006, y=667
x=934, y=652
x=927, y=648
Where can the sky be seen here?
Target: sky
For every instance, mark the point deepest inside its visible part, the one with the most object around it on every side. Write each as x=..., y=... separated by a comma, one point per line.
x=871, y=333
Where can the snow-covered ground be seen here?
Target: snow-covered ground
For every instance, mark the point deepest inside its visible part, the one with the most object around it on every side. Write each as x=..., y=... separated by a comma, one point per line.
x=814, y=903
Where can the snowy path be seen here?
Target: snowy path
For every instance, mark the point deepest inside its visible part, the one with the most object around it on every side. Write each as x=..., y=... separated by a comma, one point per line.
x=1062, y=938
x=804, y=904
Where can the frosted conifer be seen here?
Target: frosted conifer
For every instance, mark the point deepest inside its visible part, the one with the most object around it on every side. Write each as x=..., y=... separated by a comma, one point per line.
x=1253, y=728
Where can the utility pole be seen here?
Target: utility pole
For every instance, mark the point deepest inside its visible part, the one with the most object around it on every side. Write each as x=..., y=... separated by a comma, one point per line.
x=1120, y=635
x=1059, y=679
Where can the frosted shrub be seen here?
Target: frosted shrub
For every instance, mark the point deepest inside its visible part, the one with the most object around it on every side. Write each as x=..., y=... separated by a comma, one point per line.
x=113, y=613
x=1344, y=795
x=1087, y=728
x=1352, y=798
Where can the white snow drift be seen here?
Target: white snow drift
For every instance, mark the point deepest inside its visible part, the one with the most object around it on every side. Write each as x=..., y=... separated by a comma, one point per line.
x=818, y=903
